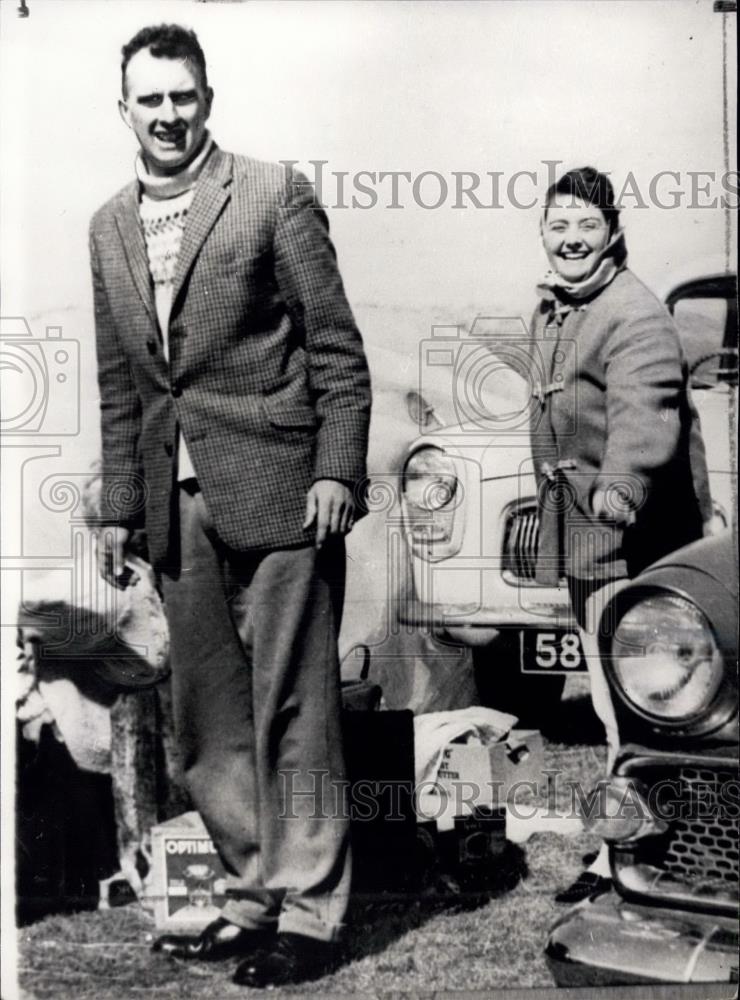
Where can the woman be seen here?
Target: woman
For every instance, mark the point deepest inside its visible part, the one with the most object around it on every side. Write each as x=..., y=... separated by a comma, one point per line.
x=619, y=459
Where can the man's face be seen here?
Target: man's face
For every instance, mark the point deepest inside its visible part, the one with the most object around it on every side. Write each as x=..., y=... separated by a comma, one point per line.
x=574, y=234
x=167, y=107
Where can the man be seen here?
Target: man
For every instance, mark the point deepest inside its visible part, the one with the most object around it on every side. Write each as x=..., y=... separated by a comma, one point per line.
x=235, y=403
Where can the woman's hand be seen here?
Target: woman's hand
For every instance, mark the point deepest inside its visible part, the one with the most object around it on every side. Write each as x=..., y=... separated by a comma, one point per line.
x=606, y=511
x=713, y=526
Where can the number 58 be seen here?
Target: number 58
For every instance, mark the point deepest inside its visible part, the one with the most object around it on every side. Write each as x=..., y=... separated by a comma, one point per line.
x=549, y=651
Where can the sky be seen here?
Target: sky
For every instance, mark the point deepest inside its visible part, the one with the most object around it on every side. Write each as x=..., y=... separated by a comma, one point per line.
x=494, y=86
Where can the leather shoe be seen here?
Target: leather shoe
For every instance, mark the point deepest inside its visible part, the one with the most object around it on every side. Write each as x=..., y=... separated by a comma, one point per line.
x=220, y=939
x=586, y=885
x=295, y=958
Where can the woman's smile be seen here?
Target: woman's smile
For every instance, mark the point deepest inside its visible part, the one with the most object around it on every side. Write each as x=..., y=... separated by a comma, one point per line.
x=575, y=234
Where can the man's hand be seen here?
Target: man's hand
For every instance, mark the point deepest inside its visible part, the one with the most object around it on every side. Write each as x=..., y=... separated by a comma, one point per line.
x=112, y=542
x=330, y=506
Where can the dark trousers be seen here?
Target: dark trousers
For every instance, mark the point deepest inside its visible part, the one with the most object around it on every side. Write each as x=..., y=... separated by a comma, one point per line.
x=256, y=697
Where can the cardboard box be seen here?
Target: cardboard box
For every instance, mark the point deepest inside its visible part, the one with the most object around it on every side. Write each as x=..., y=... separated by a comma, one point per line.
x=489, y=775
x=187, y=883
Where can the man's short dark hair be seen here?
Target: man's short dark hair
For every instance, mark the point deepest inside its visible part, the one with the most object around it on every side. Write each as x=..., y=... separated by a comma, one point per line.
x=591, y=186
x=165, y=41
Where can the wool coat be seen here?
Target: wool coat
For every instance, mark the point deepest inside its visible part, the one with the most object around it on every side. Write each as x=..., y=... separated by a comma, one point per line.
x=267, y=379
x=613, y=411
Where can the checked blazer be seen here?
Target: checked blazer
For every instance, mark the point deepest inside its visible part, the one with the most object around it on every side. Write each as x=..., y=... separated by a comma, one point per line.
x=615, y=413
x=267, y=377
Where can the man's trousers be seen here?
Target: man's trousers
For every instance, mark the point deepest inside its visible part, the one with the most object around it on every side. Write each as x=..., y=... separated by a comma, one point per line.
x=256, y=694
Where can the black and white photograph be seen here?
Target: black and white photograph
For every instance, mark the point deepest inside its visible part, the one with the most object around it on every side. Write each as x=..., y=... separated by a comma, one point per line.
x=369, y=498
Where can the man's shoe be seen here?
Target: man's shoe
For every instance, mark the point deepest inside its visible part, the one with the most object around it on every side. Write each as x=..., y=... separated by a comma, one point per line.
x=295, y=958
x=220, y=939
x=587, y=884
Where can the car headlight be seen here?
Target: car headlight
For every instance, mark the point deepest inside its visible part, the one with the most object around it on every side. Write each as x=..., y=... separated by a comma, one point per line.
x=429, y=479
x=665, y=658
x=618, y=811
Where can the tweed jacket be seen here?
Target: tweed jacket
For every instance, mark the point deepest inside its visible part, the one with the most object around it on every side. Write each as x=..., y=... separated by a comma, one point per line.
x=613, y=411
x=267, y=377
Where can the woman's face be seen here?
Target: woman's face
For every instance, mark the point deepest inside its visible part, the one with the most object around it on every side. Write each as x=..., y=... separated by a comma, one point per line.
x=574, y=234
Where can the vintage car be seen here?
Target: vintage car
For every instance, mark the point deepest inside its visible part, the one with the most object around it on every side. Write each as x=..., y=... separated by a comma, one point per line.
x=468, y=497
x=670, y=808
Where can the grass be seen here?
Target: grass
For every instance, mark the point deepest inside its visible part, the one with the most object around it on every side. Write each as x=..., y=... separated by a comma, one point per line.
x=418, y=945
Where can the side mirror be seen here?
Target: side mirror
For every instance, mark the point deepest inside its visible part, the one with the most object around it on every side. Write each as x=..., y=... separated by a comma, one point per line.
x=420, y=411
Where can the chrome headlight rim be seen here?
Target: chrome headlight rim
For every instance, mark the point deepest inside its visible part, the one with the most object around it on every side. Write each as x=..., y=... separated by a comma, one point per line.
x=722, y=704
x=444, y=490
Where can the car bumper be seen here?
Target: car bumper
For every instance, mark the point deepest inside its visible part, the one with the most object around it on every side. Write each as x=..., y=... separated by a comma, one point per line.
x=507, y=612
x=608, y=942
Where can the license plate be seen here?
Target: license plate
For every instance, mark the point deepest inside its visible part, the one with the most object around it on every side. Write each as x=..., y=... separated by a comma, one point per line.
x=553, y=652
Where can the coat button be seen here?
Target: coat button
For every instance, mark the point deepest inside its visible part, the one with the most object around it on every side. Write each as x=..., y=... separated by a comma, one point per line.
x=176, y=389
x=151, y=346
x=169, y=449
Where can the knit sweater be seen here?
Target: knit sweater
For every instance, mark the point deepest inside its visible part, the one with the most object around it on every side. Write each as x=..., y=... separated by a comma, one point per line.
x=163, y=209
x=164, y=223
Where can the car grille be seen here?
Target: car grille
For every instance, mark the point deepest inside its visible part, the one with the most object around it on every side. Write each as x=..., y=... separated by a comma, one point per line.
x=521, y=534
x=703, y=848
x=697, y=856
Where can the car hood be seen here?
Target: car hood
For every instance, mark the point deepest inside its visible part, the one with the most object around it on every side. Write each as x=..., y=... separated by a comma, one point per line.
x=713, y=556
x=500, y=458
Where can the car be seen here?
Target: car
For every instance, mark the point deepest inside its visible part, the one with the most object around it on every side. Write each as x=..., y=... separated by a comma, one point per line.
x=468, y=496
x=670, y=808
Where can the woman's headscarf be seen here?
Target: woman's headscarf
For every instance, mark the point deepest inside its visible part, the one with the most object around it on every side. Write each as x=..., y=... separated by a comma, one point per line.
x=611, y=261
